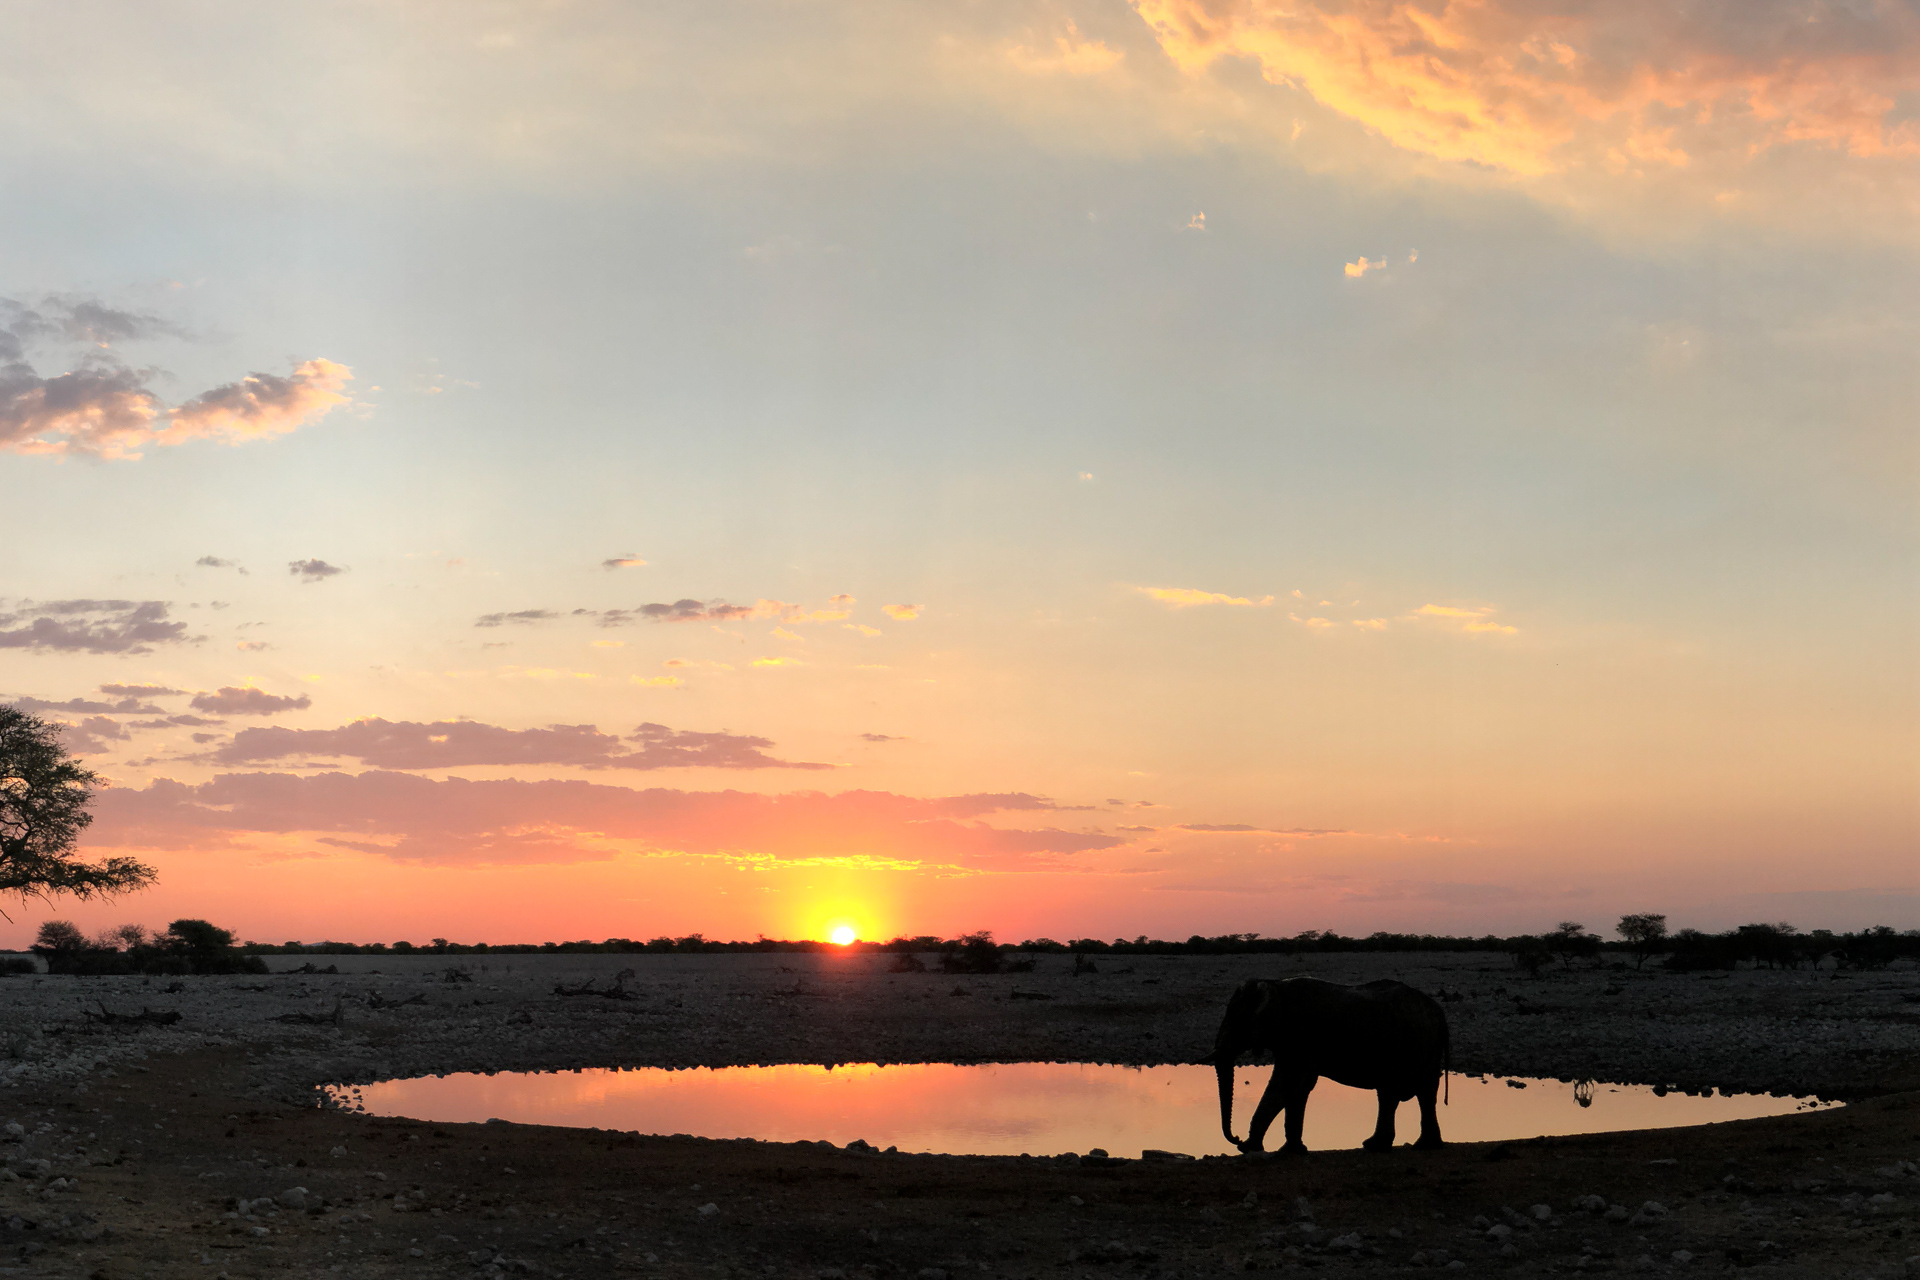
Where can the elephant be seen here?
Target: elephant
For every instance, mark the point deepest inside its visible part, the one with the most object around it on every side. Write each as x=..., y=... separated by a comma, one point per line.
x=1382, y=1035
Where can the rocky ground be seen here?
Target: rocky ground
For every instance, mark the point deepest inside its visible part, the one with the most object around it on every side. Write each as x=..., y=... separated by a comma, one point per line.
x=152, y=1150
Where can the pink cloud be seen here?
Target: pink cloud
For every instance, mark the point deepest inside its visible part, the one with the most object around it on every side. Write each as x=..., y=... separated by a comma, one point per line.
x=450, y=744
x=1533, y=87
x=413, y=819
x=232, y=701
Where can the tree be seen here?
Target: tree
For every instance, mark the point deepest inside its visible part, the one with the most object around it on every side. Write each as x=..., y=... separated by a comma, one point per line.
x=1570, y=939
x=1644, y=933
x=44, y=793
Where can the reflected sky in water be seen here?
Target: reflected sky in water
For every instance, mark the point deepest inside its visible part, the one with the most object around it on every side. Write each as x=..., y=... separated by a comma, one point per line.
x=1010, y=1108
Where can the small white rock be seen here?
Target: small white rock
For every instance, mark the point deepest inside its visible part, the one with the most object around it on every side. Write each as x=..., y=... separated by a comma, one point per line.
x=1540, y=1212
x=708, y=1210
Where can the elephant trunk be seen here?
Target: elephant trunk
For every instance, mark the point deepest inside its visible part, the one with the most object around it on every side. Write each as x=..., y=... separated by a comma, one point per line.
x=1224, y=1055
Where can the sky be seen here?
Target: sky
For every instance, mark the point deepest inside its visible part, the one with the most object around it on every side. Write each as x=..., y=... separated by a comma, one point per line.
x=526, y=471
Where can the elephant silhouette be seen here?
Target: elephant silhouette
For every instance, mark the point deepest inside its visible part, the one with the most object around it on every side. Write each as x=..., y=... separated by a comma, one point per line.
x=1384, y=1036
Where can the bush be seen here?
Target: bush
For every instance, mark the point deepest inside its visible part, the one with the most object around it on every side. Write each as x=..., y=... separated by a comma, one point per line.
x=972, y=953
x=188, y=946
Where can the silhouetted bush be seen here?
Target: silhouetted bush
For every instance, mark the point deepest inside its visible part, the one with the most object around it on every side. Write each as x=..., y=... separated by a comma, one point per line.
x=972, y=953
x=188, y=946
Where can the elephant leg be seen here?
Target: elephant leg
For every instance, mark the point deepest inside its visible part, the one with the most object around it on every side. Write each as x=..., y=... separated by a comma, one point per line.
x=1298, y=1087
x=1271, y=1100
x=1429, y=1117
x=1382, y=1139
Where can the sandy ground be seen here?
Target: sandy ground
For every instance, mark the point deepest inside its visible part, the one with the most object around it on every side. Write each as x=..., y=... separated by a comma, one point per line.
x=166, y=1128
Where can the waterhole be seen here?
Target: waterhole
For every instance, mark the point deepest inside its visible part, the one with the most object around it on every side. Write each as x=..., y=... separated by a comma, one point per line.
x=1041, y=1108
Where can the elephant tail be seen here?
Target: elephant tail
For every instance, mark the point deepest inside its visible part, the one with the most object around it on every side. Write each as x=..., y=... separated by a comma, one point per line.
x=1446, y=1060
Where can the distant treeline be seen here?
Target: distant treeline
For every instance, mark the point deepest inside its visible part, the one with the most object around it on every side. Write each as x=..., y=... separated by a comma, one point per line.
x=195, y=946
x=1772, y=945
x=186, y=946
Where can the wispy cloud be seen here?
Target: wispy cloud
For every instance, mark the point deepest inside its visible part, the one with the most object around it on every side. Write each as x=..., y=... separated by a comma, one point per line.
x=449, y=744
x=623, y=562
x=1072, y=54
x=1473, y=619
x=1357, y=269
x=90, y=626
x=1189, y=597
x=1531, y=87
x=231, y=700
x=902, y=612
x=521, y=617
x=415, y=819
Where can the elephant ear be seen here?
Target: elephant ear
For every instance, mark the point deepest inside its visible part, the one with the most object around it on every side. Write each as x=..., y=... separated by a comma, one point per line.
x=1266, y=999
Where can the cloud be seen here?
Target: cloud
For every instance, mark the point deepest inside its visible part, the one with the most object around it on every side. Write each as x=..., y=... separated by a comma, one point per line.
x=409, y=818
x=232, y=701
x=901, y=612
x=705, y=611
x=90, y=626
x=90, y=736
x=251, y=646
x=1312, y=624
x=1370, y=624
x=104, y=408
x=656, y=682
x=1360, y=268
x=842, y=601
x=1239, y=828
x=260, y=405
x=313, y=570
x=1472, y=620
x=86, y=706
x=521, y=617
x=453, y=744
x=1532, y=87
x=880, y=737
x=215, y=562
x=623, y=562
x=1188, y=597
x=785, y=634
x=139, y=691
x=1072, y=54
x=864, y=629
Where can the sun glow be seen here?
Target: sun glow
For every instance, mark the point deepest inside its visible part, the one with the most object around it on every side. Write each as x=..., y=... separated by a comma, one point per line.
x=842, y=935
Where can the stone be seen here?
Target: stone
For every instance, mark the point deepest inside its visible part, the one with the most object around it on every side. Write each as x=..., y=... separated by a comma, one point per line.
x=294, y=1198
x=1616, y=1213
x=933, y=1273
x=1351, y=1241
x=1456, y=1265
x=1590, y=1204
x=1540, y=1212
x=416, y=1253
x=1075, y=1201
x=708, y=1210
x=1499, y=1231
x=1682, y=1256
x=15, y=1130
x=338, y=1151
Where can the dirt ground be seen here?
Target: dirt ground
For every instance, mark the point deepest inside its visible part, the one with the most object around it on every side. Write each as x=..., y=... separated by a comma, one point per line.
x=147, y=1151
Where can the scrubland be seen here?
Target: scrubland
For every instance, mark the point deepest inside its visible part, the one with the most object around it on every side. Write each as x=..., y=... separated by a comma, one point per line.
x=138, y=1144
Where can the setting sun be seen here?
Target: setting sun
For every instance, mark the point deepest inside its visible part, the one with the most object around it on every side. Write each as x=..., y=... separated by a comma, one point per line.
x=842, y=934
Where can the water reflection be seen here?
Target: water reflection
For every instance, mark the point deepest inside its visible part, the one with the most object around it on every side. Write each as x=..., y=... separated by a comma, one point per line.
x=1009, y=1108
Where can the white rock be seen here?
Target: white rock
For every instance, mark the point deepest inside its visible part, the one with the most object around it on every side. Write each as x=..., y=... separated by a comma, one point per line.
x=708, y=1210
x=1540, y=1212
x=1683, y=1256
x=294, y=1198
x=338, y=1151
x=1499, y=1231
